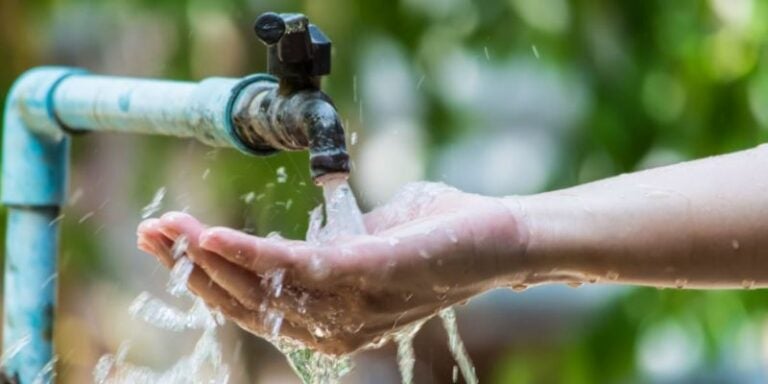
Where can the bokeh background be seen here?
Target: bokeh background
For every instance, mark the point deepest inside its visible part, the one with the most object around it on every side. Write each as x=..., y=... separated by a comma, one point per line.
x=497, y=97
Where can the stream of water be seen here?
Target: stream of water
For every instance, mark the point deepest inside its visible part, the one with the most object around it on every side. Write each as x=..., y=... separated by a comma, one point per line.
x=204, y=365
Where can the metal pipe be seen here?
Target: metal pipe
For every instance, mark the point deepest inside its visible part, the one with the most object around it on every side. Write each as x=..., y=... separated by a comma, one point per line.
x=300, y=120
x=173, y=108
x=35, y=159
x=253, y=115
x=30, y=291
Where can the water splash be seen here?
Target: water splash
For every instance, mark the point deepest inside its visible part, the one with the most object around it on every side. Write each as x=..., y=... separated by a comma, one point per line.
x=203, y=365
x=282, y=175
x=448, y=315
x=47, y=372
x=406, y=359
x=342, y=217
x=14, y=349
x=153, y=205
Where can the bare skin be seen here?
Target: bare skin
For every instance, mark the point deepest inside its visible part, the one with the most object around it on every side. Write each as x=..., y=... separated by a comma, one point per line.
x=700, y=224
x=421, y=255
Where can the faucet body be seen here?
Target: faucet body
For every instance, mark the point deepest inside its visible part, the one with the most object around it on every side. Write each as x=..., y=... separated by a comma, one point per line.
x=258, y=115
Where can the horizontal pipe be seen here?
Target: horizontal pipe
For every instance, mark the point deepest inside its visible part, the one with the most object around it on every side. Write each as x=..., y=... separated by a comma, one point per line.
x=173, y=108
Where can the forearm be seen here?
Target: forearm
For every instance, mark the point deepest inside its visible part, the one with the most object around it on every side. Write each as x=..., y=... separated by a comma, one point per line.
x=699, y=224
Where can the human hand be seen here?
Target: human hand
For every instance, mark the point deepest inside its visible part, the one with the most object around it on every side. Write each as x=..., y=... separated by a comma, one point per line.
x=430, y=247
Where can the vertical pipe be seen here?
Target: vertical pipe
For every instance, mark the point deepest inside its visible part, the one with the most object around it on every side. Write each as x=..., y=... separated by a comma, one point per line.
x=30, y=291
x=35, y=158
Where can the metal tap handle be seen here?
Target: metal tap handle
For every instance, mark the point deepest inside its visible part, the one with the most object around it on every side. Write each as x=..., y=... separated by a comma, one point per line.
x=297, y=50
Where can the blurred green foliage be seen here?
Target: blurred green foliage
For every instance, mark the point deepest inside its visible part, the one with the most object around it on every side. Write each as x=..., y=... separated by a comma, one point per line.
x=687, y=76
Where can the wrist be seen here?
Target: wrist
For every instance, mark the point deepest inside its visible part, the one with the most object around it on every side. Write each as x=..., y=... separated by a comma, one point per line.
x=560, y=246
x=518, y=265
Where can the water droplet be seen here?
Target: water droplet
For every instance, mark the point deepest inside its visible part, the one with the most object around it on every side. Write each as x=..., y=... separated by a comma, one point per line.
x=612, y=275
x=177, y=284
x=535, y=51
x=353, y=138
x=179, y=247
x=441, y=288
x=681, y=283
x=274, y=281
x=46, y=373
x=154, y=205
x=85, y=217
x=302, y=303
x=487, y=53
x=320, y=332
x=318, y=268
x=274, y=235
x=273, y=321
x=206, y=173
x=354, y=88
x=420, y=82
x=248, y=197
x=13, y=349
x=747, y=284
x=519, y=287
x=282, y=175
x=56, y=220
x=735, y=245
x=75, y=196
x=594, y=279
x=354, y=328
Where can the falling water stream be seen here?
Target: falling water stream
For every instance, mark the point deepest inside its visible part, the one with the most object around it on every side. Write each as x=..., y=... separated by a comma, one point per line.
x=204, y=364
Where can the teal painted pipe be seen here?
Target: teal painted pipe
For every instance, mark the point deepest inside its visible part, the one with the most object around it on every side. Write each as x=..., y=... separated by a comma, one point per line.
x=35, y=156
x=43, y=106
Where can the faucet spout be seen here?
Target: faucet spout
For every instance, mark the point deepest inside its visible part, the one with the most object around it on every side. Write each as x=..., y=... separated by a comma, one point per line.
x=295, y=114
x=327, y=147
x=303, y=120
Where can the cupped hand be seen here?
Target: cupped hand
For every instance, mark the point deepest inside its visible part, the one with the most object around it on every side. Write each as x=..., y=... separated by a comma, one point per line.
x=430, y=247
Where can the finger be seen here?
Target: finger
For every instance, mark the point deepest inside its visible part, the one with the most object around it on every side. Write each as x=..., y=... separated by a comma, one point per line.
x=154, y=242
x=306, y=264
x=215, y=296
x=250, y=289
x=253, y=253
x=158, y=236
x=256, y=322
x=176, y=224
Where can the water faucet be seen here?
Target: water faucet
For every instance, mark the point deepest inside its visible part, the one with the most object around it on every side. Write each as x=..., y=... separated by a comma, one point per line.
x=259, y=114
x=296, y=114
